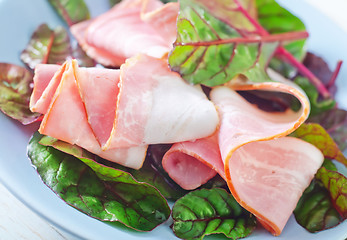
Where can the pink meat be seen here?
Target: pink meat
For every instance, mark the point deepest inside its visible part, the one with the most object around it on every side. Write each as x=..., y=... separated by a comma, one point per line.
x=266, y=176
x=99, y=90
x=155, y=105
x=191, y=164
x=129, y=28
x=269, y=177
x=66, y=116
x=46, y=80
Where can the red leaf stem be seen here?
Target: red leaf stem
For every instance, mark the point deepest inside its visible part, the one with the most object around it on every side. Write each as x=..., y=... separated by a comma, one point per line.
x=304, y=71
x=287, y=55
x=334, y=76
x=290, y=36
x=49, y=46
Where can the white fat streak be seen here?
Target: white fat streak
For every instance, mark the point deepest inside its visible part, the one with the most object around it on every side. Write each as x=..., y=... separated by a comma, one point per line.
x=179, y=112
x=132, y=157
x=295, y=176
x=136, y=157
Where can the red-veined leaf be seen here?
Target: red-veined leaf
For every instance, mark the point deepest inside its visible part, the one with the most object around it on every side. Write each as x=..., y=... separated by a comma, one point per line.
x=316, y=135
x=47, y=46
x=15, y=91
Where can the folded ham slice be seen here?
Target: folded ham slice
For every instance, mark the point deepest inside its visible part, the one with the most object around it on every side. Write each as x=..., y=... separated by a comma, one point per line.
x=265, y=171
x=155, y=105
x=129, y=28
x=65, y=106
x=113, y=113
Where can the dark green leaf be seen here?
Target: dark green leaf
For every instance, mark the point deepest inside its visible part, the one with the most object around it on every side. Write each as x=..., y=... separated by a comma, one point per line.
x=204, y=212
x=107, y=194
x=315, y=211
x=47, y=46
x=72, y=11
x=15, y=91
x=114, y=2
x=336, y=184
x=213, y=50
x=317, y=106
x=335, y=123
x=150, y=172
x=276, y=19
x=316, y=135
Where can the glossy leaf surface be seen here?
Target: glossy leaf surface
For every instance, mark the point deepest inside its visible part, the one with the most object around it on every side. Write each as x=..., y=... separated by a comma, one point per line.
x=107, y=194
x=335, y=123
x=213, y=50
x=276, y=19
x=315, y=210
x=72, y=11
x=15, y=91
x=204, y=212
x=336, y=184
x=316, y=135
x=317, y=106
x=47, y=46
x=150, y=172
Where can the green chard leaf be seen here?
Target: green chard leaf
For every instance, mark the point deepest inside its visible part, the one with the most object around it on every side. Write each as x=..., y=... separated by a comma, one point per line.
x=336, y=184
x=211, y=50
x=113, y=2
x=335, y=123
x=315, y=210
x=216, y=42
x=204, y=212
x=72, y=11
x=15, y=91
x=108, y=194
x=317, y=106
x=47, y=46
x=316, y=135
x=150, y=172
x=276, y=19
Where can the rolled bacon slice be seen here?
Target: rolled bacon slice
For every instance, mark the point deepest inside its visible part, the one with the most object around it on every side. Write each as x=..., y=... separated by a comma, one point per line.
x=129, y=28
x=65, y=106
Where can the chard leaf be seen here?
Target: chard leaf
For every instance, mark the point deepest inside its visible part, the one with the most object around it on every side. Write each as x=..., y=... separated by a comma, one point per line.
x=113, y=2
x=204, y=212
x=72, y=11
x=82, y=58
x=316, y=135
x=321, y=69
x=109, y=194
x=275, y=19
x=315, y=211
x=312, y=93
x=212, y=50
x=336, y=184
x=149, y=173
x=335, y=123
x=47, y=46
x=15, y=91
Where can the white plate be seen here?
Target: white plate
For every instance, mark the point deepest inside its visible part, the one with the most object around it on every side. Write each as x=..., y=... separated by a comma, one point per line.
x=18, y=19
